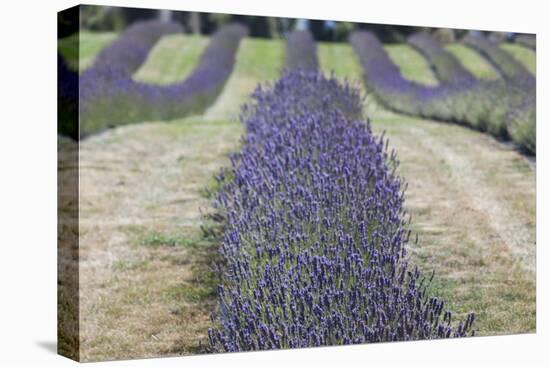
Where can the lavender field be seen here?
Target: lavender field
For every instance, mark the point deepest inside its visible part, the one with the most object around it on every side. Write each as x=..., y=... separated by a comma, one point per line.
x=244, y=193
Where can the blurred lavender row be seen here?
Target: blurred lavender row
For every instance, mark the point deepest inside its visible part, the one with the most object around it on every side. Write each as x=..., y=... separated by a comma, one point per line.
x=509, y=68
x=520, y=119
x=110, y=97
x=445, y=65
x=519, y=85
x=486, y=105
x=301, y=51
x=315, y=241
x=131, y=48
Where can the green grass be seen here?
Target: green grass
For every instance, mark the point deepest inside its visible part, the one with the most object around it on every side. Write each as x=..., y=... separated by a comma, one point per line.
x=523, y=54
x=412, y=64
x=91, y=43
x=339, y=59
x=473, y=61
x=257, y=61
x=171, y=59
x=156, y=239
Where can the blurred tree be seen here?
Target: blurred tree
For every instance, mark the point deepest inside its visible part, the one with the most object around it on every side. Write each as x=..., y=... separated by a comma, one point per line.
x=317, y=28
x=68, y=22
x=498, y=37
x=444, y=35
x=195, y=22
x=342, y=31
x=389, y=33
x=102, y=18
x=218, y=19
x=165, y=15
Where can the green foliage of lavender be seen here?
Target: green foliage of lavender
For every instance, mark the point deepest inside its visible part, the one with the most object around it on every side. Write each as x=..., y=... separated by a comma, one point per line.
x=315, y=240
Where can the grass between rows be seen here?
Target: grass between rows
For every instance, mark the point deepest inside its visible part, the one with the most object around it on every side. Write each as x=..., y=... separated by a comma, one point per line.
x=473, y=61
x=523, y=54
x=257, y=60
x=171, y=59
x=90, y=44
x=412, y=64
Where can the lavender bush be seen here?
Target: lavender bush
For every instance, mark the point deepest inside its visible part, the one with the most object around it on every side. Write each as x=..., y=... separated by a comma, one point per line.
x=131, y=48
x=109, y=95
x=301, y=51
x=445, y=66
x=481, y=104
x=315, y=240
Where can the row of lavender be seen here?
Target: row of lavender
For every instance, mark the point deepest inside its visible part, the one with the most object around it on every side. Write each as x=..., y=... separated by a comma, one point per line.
x=301, y=51
x=315, y=244
x=487, y=105
x=520, y=119
x=109, y=96
x=130, y=50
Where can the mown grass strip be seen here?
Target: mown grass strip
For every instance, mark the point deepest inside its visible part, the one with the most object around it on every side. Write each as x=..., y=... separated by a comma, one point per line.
x=340, y=59
x=91, y=43
x=171, y=59
x=524, y=55
x=473, y=61
x=412, y=64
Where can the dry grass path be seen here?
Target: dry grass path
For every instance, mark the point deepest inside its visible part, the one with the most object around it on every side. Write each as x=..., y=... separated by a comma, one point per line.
x=144, y=265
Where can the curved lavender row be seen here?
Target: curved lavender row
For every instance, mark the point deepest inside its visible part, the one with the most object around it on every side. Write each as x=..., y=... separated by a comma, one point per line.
x=520, y=118
x=110, y=93
x=446, y=67
x=301, y=51
x=314, y=249
x=481, y=104
x=394, y=91
x=505, y=63
x=527, y=40
x=131, y=48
